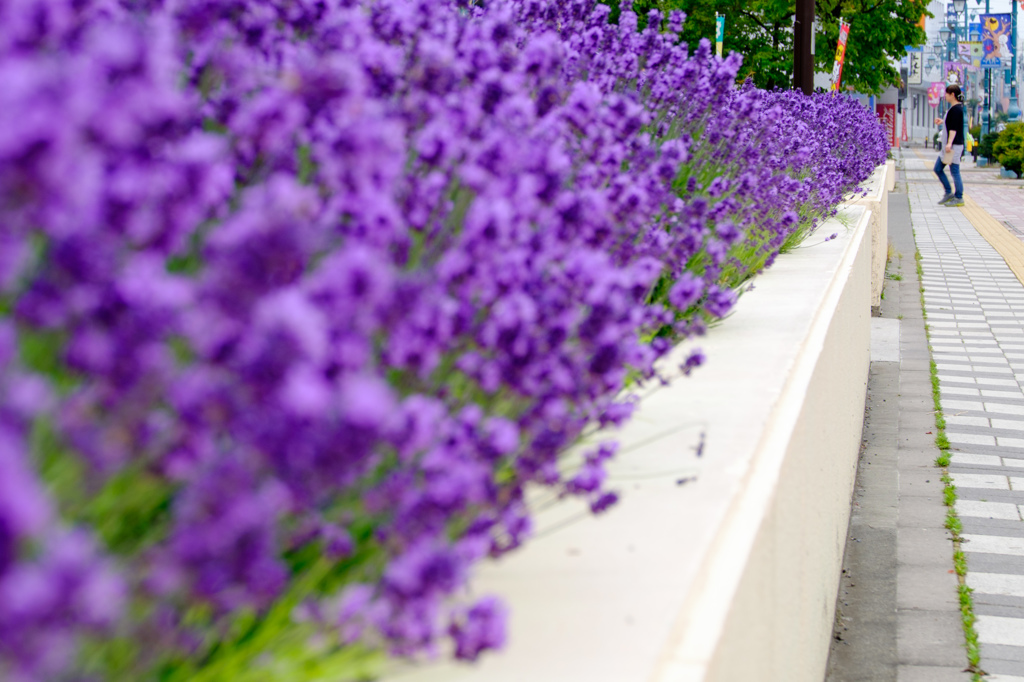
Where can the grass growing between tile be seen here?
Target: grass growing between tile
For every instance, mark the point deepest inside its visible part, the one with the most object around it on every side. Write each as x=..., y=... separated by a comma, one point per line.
x=953, y=523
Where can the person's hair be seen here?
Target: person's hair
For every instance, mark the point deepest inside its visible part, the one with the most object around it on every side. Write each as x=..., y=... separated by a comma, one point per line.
x=955, y=91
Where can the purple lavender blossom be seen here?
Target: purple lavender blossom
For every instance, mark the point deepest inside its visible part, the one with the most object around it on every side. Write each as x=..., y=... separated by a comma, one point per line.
x=349, y=292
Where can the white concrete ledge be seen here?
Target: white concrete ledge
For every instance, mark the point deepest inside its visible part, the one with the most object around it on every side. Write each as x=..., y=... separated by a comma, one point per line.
x=723, y=567
x=878, y=186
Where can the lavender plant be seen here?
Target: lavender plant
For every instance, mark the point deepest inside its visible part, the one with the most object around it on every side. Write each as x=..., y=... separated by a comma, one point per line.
x=297, y=298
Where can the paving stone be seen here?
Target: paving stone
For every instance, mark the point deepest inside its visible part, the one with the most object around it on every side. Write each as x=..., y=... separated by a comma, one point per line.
x=922, y=511
x=991, y=495
x=993, y=544
x=1009, y=612
x=924, y=637
x=969, y=438
x=1000, y=527
x=1000, y=667
x=931, y=673
x=964, y=459
x=925, y=588
x=998, y=600
x=993, y=563
x=920, y=457
x=1005, y=653
x=922, y=480
x=923, y=546
x=987, y=510
x=986, y=481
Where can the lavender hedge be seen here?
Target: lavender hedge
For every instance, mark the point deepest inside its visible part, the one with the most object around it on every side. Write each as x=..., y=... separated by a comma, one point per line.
x=298, y=296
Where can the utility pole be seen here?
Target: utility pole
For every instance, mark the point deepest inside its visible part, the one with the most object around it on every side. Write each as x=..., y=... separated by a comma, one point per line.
x=803, y=36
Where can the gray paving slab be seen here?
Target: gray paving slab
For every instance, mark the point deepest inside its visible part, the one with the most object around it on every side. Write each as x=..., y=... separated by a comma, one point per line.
x=987, y=608
x=924, y=547
x=930, y=673
x=995, y=666
x=925, y=637
x=993, y=563
x=982, y=526
x=864, y=641
x=983, y=495
x=924, y=588
x=1006, y=653
x=998, y=600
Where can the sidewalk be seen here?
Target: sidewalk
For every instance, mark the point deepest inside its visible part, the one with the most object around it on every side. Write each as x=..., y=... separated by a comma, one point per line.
x=899, y=614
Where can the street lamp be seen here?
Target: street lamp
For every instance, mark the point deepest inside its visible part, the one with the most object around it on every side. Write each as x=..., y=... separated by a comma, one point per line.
x=959, y=6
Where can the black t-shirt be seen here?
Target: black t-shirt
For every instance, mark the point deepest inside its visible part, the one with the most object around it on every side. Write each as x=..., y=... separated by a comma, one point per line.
x=955, y=122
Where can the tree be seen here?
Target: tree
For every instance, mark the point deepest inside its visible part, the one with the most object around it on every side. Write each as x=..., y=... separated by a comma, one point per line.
x=880, y=30
x=1009, y=148
x=762, y=31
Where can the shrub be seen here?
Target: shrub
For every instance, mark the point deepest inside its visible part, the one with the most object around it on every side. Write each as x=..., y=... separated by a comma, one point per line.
x=1009, y=147
x=985, y=147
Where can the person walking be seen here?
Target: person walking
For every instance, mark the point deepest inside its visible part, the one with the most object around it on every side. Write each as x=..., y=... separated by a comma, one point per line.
x=952, y=150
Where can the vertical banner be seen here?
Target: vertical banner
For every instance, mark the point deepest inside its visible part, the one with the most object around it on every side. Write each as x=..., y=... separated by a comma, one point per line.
x=837, y=66
x=995, y=39
x=971, y=53
x=719, y=33
x=935, y=93
x=953, y=73
x=964, y=54
x=903, y=136
x=916, y=71
x=887, y=114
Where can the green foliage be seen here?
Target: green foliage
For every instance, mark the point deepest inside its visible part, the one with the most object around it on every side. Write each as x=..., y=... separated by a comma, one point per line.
x=762, y=31
x=272, y=646
x=953, y=523
x=985, y=148
x=949, y=495
x=1008, y=147
x=879, y=32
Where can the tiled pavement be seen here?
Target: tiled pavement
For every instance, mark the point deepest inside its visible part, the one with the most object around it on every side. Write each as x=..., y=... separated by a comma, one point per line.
x=1004, y=202
x=975, y=308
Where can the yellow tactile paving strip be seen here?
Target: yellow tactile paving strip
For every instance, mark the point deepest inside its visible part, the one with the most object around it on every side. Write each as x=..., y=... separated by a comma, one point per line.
x=996, y=234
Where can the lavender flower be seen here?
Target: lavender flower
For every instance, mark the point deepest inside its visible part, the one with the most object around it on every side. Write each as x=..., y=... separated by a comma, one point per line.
x=304, y=296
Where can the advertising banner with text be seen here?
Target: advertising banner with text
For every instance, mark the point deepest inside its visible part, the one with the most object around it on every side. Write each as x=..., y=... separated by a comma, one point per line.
x=887, y=114
x=837, y=66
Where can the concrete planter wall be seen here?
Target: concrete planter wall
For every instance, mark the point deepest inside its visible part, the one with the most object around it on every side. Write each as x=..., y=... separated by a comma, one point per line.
x=723, y=566
x=878, y=186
